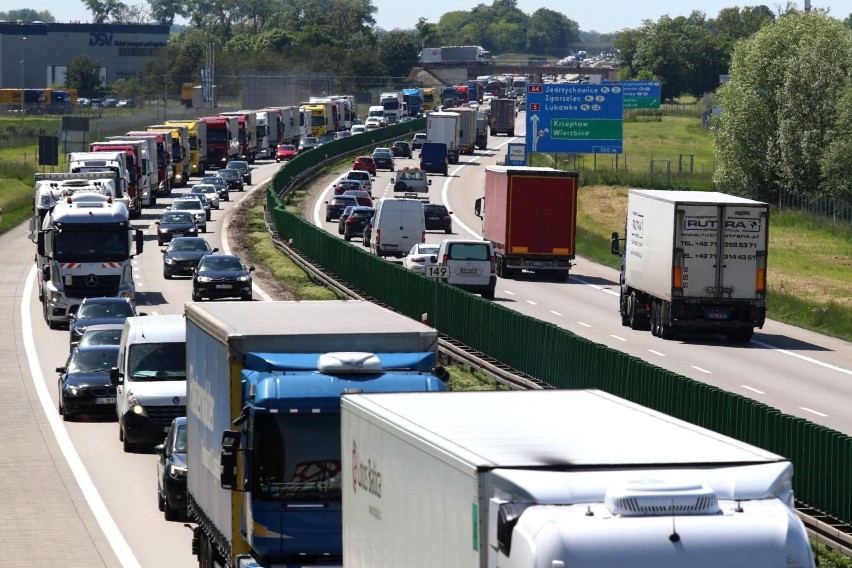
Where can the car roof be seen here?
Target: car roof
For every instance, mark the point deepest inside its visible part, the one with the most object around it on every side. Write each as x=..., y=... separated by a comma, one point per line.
x=105, y=327
x=104, y=300
x=219, y=256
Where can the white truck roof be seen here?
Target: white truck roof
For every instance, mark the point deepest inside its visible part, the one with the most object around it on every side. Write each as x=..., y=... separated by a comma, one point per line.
x=692, y=196
x=155, y=329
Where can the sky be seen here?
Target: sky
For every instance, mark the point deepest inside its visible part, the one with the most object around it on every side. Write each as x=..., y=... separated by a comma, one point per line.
x=610, y=16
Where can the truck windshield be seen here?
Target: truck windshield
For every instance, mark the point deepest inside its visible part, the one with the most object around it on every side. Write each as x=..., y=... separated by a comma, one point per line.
x=296, y=457
x=91, y=245
x=317, y=120
x=157, y=362
x=216, y=136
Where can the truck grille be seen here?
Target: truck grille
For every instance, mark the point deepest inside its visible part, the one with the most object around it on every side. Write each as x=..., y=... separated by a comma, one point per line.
x=165, y=414
x=93, y=286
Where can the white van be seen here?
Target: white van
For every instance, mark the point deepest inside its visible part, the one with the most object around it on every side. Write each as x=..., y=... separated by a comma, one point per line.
x=377, y=112
x=150, y=378
x=471, y=265
x=397, y=226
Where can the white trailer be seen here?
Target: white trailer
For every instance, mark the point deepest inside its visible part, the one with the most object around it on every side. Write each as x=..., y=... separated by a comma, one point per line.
x=556, y=479
x=266, y=120
x=694, y=261
x=443, y=128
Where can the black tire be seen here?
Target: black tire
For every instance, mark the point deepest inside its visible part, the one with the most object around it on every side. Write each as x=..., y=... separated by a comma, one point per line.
x=169, y=513
x=488, y=294
x=195, y=296
x=634, y=321
x=448, y=231
x=167, y=276
x=347, y=237
x=246, y=298
x=399, y=187
x=161, y=501
x=159, y=243
x=128, y=446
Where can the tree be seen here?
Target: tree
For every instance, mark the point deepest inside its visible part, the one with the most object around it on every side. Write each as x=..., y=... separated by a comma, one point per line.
x=103, y=10
x=733, y=24
x=428, y=33
x=165, y=11
x=398, y=52
x=132, y=14
x=84, y=74
x=549, y=32
x=785, y=110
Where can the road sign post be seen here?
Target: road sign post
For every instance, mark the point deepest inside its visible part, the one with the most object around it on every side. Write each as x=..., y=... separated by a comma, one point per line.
x=436, y=273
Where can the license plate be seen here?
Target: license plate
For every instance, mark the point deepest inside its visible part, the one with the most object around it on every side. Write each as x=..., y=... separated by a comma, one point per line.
x=223, y=286
x=469, y=271
x=714, y=315
x=434, y=218
x=177, y=234
x=105, y=400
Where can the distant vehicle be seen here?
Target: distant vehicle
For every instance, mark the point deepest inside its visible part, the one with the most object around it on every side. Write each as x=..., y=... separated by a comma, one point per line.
x=342, y=134
x=83, y=382
x=418, y=140
x=98, y=311
x=307, y=143
x=344, y=185
x=364, y=176
x=105, y=334
x=182, y=255
x=383, y=157
x=326, y=138
x=343, y=217
x=285, y=152
x=195, y=207
x=434, y=158
x=362, y=197
x=171, y=471
x=209, y=191
x=471, y=265
x=233, y=177
x=124, y=103
x=220, y=184
x=420, y=256
x=358, y=129
x=202, y=198
x=437, y=217
x=406, y=119
x=411, y=182
x=401, y=149
x=357, y=222
x=243, y=167
x=175, y=224
x=336, y=205
x=221, y=276
x=365, y=163
x=398, y=226
x=373, y=122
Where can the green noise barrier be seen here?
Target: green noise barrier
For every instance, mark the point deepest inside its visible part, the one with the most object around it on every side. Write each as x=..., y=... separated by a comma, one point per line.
x=822, y=457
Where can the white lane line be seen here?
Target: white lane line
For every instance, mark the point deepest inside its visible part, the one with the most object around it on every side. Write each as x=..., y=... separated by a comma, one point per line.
x=555, y=313
x=508, y=292
x=806, y=409
x=802, y=357
x=601, y=288
x=226, y=222
x=81, y=475
x=584, y=324
x=530, y=302
x=702, y=370
x=618, y=337
x=752, y=389
x=656, y=353
x=320, y=203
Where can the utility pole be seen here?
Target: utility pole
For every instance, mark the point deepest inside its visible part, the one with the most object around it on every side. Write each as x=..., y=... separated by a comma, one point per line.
x=166, y=94
x=23, y=39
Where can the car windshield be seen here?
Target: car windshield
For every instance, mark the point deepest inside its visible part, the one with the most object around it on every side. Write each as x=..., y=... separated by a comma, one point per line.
x=220, y=263
x=187, y=205
x=358, y=175
x=427, y=249
x=237, y=165
x=92, y=361
x=286, y=147
x=157, y=361
x=110, y=310
x=228, y=173
x=101, y=337
x=343, y=201
x=212, y=180
x=188, y=245
x=176, y=218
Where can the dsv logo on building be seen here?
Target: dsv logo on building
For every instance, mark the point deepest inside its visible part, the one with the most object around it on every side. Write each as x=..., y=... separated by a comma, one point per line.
x=365, y=475
x=100, y=39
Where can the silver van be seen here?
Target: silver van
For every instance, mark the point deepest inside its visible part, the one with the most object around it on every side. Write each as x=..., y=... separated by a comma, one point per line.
x=398, y=225
x=471, y=265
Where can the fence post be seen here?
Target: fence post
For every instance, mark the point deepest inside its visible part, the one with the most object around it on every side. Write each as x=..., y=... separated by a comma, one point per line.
x=668, y=172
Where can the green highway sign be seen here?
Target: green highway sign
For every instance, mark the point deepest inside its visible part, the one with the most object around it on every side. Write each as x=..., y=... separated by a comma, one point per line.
x=586, y=129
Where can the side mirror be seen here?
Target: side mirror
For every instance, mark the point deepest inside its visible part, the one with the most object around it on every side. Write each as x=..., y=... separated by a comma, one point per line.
x=115, y=377
x=215, y=249
x=429, y=182
x=160, y=450
x=140, y=241
x=251, y=268
x=615, y=248
x=477, y=207
x=142, y=314
x=156, y=222
x=228, y=459
x=60, y=369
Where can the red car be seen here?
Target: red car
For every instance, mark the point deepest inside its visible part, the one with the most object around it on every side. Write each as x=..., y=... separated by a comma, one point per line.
x=365, y=163
x=285, y=152
x=362, y=197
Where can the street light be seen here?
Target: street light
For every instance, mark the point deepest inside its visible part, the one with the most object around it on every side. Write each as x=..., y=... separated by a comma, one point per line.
x=23, y=38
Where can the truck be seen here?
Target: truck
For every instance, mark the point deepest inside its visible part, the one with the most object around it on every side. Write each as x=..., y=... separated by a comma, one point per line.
x=162, y=146
x=414, y=101
x=52, y=188
x=392, y=103
x=455, y=55
x=443, y=128
x=488, y=479
x=178, y=151
x=84, y=247
x=112, y=165
x=320, y=122
x=222, y=140
x=462, y=95
x=150, y=180
x=246, y=133
x=264, y=382
x=467, y=128
x=428, y=95
x=449, y=97
x=182, y=128
x=502, y=117
x=133, y=161
x=346, y=109
x=481, y=131
x=530, y=215
x=197, y=138
x=267, y=132
x=693, y=261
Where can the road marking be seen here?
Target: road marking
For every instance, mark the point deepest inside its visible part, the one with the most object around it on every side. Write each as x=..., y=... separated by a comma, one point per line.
x=618, y=337
x=601, y=288
x=81, y=475
x=532, y=303
x=555, y=313
x=656, y=353
x=802, y=357
x=806, y=409
x=508, y=292
x=584, y=324
x=702, y=370
x=752, y=389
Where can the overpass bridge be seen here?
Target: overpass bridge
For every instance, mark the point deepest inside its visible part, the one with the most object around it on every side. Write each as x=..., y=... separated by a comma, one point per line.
x=455, y=74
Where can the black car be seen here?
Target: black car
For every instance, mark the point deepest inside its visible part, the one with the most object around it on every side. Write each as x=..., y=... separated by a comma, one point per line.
x=307, y=143
x=357, y=221
x=336, y=206
x=241, y=166
x=221, y=276
x=401, y=149
x=326, y=138
x=343, y=217
x=171, y=471
x=84, y=385
x=98, y=311
x=182, y=255
x=233, y=177
x=106, y=334
x=383, y=158
x=437, y=218
x=221, y=186
x=173, y=224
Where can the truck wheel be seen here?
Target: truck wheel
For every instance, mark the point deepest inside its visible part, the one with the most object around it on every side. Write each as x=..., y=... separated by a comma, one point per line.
x=634, y=320
x=488, y=294
x=622, y=308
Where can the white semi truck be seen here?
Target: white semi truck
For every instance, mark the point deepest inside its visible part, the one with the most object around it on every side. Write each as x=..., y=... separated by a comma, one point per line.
x=556, y=479
x=693, y=261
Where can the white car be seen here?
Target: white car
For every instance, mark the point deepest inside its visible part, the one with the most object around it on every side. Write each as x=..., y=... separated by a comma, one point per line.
x=420, y=256
x=358, y=129
x=195, y=207
x=209, y=190
x=363, y=176
x=373, y=122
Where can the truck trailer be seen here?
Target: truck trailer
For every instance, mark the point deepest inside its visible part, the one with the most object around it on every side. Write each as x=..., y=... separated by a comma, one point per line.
x=263, y=420
x=443, y=128
x=530, y=214
x=467, y=129
x=503, y=114
x=693, y=261
x=556, y=479
x=246, y=133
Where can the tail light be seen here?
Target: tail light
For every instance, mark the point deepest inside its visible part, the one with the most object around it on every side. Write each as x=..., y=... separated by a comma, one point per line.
x=446, y=258
x=378, y=237
x=677, y=277
x=493, y=265
x=423, y=237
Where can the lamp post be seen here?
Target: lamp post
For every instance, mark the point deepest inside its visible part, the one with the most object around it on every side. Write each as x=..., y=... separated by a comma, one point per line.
x=23, y=39
x=166, y=94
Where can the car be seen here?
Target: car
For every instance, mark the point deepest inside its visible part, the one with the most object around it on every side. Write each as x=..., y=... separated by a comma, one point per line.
x=420, y=256
x=437, y=217
x=401, y=149
x=202, y=198
x=109, y=103
x=363, y=176
x=406, y=119
x=193, y=206
x=221, y=276
x=343, y=217
x=285, y=152
x=373, y=122
x=368, y=232
x=344, y=185
x=412, y=182
x=358, y=129
x=383, y=158
x=83, y=383
x=307, y=143
x=418, y=140
x=357, y=221
x=124, y=103
x=325, y=138
x=220, y=184
x=241, y=166
x=175, y=224
x=98, y=311
x=365, y=163
x=470, y=264
x=104, y=334
x=362, y=197
x=335, y=206
x=342, y=134
x=209, y=191
x=171, y=471
x=182, y=255
x=232, y=177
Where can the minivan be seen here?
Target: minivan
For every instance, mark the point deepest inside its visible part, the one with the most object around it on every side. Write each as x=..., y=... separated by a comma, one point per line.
x=471, y=265
x=150, y=379
x=397, y=226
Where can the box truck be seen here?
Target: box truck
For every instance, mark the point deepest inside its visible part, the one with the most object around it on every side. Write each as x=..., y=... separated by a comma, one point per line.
x=503, y=114
x=530, y=214
x=693, y=261
x=443, y=128
x=556, y=479
x=263, y=419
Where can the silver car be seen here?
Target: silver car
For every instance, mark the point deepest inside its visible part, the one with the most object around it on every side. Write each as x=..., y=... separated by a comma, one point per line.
x=209, y=191
x=195, y=207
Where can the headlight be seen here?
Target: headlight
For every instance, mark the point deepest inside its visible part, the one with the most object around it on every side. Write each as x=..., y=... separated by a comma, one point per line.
x=134, y=404
x=192, y=230
x=55, y=297
x=177, y=471
x=73, y=391
x=204, y=279
x=243, y=278
x=169, y=260
x=163, y=231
